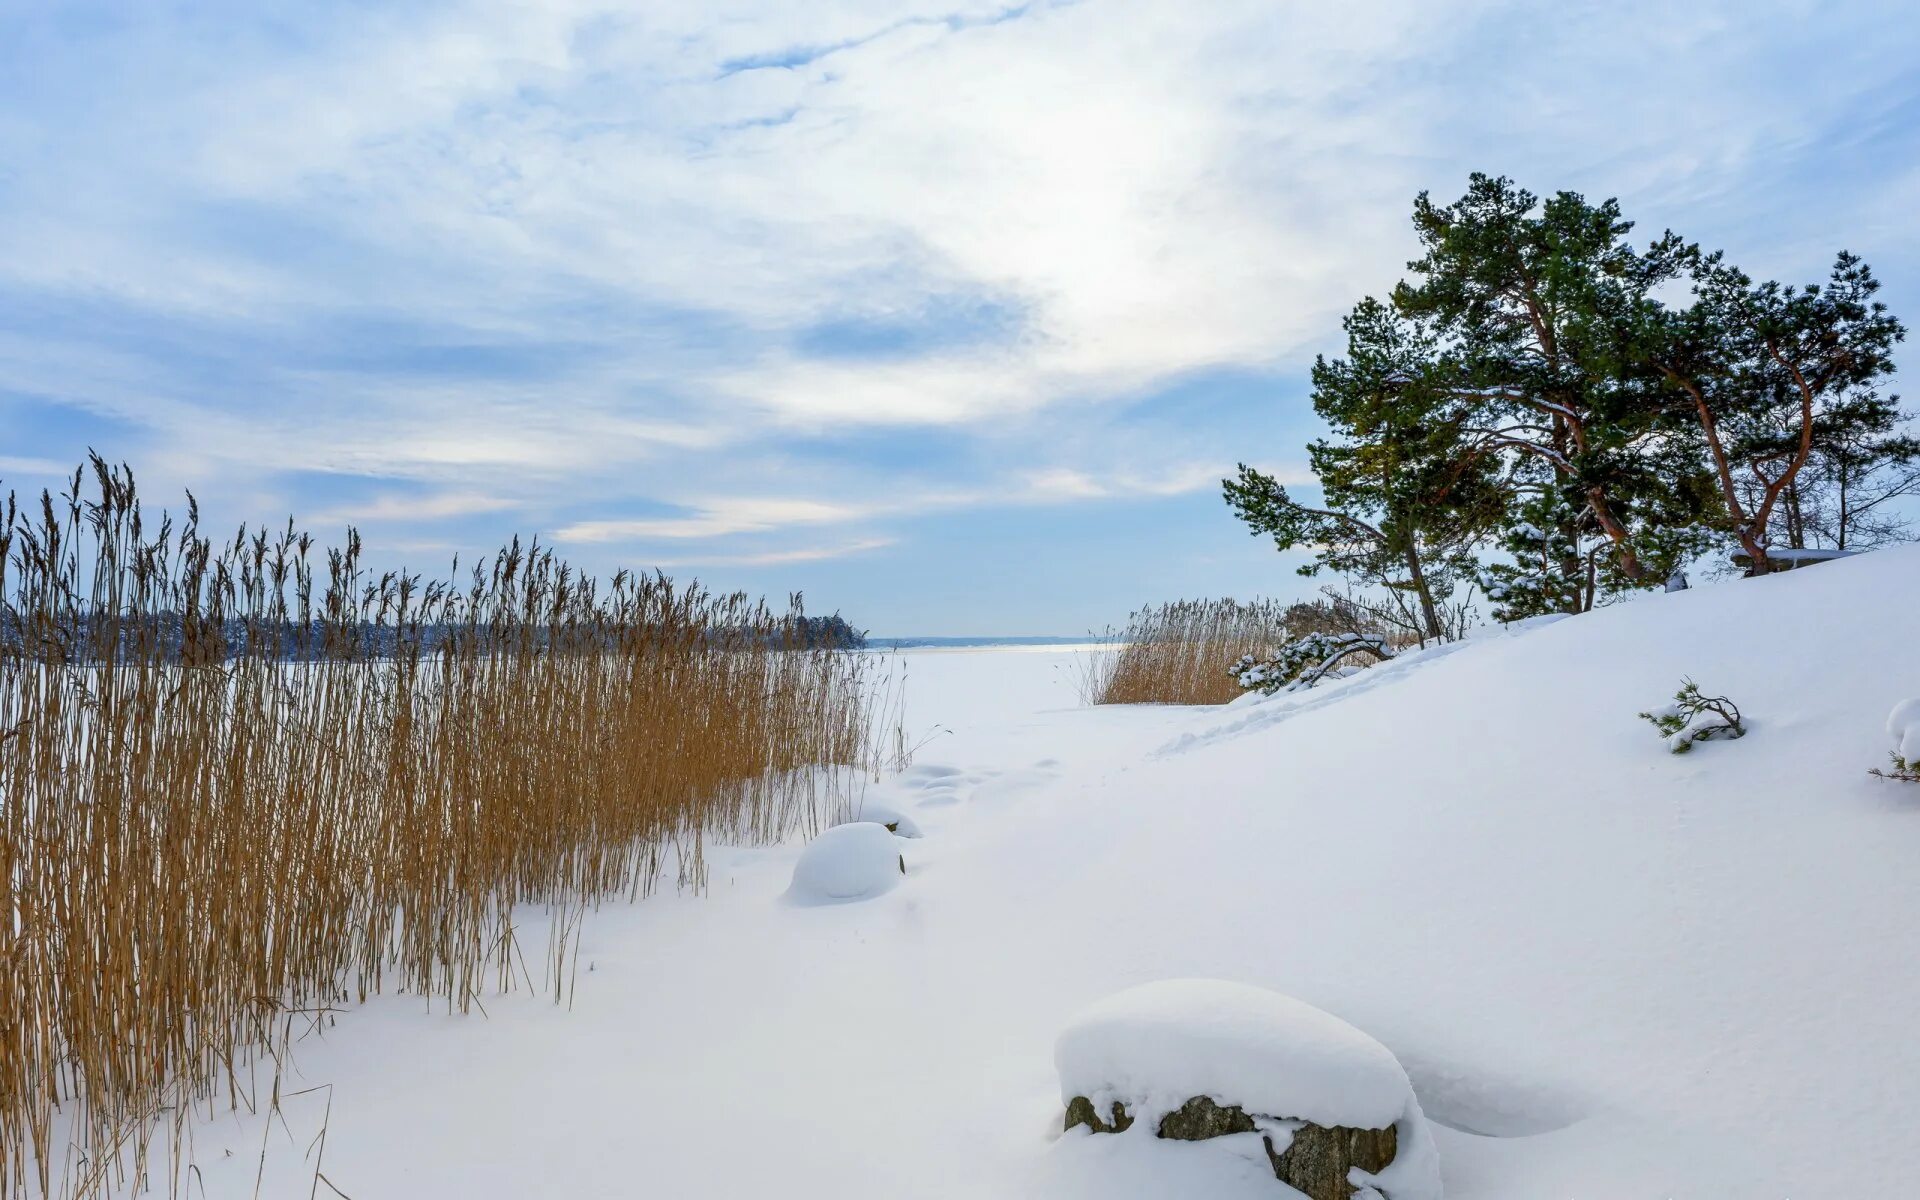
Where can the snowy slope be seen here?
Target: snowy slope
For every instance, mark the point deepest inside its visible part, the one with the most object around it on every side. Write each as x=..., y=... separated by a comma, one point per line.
x=1609, y=972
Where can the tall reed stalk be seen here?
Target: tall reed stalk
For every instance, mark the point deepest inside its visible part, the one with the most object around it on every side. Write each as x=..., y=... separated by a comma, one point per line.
x=239, y=787
x=1179, y=653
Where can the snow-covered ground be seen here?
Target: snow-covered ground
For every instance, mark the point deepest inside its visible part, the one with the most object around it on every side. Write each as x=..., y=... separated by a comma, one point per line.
x=1610, y=972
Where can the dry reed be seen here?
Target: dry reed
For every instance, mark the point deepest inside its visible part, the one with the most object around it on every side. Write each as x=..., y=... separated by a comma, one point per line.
x=238, y=789
x=1180, y=653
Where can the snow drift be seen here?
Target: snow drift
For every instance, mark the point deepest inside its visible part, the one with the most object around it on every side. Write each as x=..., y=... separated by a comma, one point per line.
x=1608, y=971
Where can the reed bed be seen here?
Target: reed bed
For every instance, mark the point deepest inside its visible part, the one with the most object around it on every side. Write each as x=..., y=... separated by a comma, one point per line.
x=243, y=783
x=1179, y=653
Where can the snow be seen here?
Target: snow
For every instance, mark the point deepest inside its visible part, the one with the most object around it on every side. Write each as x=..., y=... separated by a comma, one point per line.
x=1160, y=1044
x=1513, y=628
x=855, y=861
x=882, y=814
x=1903, y=725
x=1607, y=972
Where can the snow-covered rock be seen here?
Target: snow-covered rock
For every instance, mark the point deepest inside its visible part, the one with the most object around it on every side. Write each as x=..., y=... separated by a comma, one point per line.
x=847, y=862
x=1206, y=1037
x=1903, y=726
x=1263, y=1060
x=881, y=814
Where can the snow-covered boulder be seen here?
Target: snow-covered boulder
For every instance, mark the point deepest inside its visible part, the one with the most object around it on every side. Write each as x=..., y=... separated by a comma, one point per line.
x=880, y=814
x=847, y=862
x=1194, y=1059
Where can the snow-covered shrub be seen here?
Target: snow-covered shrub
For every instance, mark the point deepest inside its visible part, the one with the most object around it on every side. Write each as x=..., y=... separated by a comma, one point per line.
x=856, y=861
x=1695, y=717
x=1306, y=661
x=1903, y=726
x=1194, y=1059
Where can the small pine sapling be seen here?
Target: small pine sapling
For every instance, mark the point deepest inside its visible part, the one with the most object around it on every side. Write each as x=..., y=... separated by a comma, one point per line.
x=1694, y=717
x=1903, y=725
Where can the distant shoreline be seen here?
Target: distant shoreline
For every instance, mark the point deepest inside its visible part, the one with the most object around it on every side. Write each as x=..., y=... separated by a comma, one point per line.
x=876, y=642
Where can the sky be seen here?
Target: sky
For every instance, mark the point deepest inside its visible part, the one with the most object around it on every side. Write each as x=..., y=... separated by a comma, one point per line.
x=950, y=315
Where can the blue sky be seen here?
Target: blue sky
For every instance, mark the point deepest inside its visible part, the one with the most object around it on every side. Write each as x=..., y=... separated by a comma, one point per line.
x=951, y=315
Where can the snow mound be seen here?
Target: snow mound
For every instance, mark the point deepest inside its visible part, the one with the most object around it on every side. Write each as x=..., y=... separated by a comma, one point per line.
x=1903, y=726
x=1161, y=1044
x=880, y=814
x=1158, y=1045
x=847, y=862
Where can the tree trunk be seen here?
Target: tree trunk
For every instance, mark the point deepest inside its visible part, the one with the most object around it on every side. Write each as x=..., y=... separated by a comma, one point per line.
x=1630, y=564
x=1428, y=612
x=1756, y=550
x=1845, y=516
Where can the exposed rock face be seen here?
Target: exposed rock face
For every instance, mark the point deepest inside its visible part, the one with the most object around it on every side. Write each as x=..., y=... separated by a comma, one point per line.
x=1314, y=1163
x=1200, y=1118
x=1318, y=1159
x=1080, y=1111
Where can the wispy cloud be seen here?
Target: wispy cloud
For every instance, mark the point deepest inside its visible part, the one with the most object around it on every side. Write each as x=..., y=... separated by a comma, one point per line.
x=13, y=464
x=715, y=518
x=724, y=517
x=772, y=558
x=395, y=507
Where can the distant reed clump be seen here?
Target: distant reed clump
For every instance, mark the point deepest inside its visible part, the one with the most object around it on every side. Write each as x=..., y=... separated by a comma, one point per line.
x=239, y=787
x=1180, y=653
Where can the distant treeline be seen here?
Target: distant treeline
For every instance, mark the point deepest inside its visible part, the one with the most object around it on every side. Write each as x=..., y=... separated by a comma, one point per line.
x=174, y=636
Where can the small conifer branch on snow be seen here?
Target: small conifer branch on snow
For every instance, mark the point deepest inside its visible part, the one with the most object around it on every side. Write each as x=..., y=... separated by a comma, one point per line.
x=1695, y=717
x=1904, y=771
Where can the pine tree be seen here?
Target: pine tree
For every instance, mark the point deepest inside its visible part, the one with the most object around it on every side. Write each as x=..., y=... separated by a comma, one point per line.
x=1527, y=294
x=1769, y=377
x=1405, y=503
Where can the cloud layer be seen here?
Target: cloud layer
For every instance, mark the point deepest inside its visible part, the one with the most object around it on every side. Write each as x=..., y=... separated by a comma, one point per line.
x=688, y=282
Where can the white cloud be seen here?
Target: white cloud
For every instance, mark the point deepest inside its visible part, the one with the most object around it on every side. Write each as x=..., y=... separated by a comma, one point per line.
x=396, y=507
x=722, y=517
x=772, y=558
x=13, y=464
x=714, y=518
